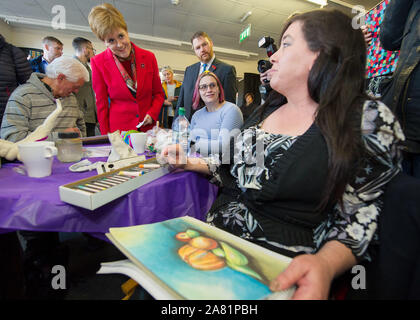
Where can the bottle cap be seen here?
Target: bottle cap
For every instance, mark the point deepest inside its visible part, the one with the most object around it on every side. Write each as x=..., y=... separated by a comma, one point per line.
x=181, y=111
x=68, y=135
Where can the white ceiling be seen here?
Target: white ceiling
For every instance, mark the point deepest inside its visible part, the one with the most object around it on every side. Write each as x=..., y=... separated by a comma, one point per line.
x=161, y=19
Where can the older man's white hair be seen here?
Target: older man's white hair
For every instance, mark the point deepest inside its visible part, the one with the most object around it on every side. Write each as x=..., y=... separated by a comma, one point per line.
x=70, y=67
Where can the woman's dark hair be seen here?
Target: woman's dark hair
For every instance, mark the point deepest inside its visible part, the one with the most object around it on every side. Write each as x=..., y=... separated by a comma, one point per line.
x=336, y=82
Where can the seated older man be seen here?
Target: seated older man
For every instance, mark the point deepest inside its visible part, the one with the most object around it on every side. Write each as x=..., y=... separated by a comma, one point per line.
x=31, y=103
x=27, y=108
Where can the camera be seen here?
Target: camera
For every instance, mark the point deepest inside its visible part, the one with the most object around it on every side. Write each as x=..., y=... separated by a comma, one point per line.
x=264, y=65
x=268, y=44
x=271, y=48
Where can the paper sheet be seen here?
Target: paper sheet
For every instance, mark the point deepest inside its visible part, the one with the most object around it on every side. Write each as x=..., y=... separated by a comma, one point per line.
x=97, y=152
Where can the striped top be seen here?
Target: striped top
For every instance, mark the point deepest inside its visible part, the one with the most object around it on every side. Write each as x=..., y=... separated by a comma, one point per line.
x=30, y=104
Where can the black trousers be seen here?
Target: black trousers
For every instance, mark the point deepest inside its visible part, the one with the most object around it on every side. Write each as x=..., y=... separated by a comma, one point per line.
x=394, y=272
x=90, y=129
x=398, y=263
x=43, y=251
x=11, y=267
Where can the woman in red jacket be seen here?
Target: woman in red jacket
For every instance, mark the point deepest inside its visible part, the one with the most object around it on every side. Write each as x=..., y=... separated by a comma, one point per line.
x=125, y=78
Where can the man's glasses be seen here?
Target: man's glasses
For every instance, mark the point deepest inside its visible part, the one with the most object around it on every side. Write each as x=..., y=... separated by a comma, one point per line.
x=204, y=87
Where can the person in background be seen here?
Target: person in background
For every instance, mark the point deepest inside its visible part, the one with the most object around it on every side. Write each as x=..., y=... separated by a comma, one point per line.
x=15, y=70
x=172, y=88
x=216, y=120
x=31, y=103
x=52, y=49
x=125, y=74
x=84, y=51
x=307, y=175
x=203, y=49
x=249, y=106
x=28, y=106
x=400, y=30
x=367, y=34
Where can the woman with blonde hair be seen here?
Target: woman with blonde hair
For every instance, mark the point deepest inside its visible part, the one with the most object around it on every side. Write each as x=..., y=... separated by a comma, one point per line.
x=125, y=78
x=171, y=88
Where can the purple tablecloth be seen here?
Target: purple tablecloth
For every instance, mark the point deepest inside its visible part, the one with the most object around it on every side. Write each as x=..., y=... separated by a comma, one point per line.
x=34, y=203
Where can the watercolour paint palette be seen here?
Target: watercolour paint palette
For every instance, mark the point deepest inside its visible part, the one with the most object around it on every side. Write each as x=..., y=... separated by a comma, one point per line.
x=96, y=191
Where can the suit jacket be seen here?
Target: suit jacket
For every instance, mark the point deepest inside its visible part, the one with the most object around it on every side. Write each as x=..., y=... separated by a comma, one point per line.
x=226, y=74
x=117, y=109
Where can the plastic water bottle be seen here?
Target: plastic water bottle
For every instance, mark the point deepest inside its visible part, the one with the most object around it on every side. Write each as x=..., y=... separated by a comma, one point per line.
x=180, y=130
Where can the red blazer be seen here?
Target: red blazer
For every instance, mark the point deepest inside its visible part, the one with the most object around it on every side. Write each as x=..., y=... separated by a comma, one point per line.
x=124, y=111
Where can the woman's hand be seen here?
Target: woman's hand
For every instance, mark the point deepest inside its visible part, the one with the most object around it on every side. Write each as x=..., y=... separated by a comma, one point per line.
x=174, y=155
x=265, y=77
x=147, y=120
x=367, y=34
x=310, y=273
x=313, y=273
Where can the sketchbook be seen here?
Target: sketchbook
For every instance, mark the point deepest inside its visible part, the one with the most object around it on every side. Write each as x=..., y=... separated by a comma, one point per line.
x=185, y=258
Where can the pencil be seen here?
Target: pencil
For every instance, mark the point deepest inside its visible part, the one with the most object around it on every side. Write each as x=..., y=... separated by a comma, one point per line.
x=131, y=174
x=149, y=165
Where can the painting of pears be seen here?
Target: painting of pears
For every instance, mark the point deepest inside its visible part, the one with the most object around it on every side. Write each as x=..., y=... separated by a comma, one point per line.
x=204, y=253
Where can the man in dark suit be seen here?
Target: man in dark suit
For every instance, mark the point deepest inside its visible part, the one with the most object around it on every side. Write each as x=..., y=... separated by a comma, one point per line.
x=52, y=48
x=203, y=48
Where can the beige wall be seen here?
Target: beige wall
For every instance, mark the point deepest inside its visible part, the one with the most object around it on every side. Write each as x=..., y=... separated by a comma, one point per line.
x=168, y=55
x=5, y=30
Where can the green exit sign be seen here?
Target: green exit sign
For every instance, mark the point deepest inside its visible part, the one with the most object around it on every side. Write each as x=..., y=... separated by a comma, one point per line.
x=245, y=34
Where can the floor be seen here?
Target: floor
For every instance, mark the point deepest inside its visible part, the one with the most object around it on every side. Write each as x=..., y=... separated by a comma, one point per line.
x=82, y=282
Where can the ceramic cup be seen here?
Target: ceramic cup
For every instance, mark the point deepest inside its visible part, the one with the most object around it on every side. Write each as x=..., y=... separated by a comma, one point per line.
x=37, y=157
x=138, y=140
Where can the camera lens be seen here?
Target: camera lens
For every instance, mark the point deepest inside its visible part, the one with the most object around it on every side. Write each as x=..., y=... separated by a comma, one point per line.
x=264, y=65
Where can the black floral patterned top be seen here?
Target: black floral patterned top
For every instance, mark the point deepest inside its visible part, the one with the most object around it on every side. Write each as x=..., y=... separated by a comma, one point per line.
x=355, y=226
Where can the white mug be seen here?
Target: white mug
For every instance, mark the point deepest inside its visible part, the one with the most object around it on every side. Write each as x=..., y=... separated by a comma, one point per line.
x=37, y=157
x=138, y=141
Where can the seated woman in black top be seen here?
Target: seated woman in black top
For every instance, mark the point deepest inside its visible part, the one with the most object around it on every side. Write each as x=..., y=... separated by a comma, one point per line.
x=306, y=176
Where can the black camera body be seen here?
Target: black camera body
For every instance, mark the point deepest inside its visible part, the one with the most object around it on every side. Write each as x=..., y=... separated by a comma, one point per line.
x=263, y=66
x=271, y=48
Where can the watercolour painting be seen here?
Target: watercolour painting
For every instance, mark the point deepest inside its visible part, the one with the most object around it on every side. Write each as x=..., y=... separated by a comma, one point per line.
x=197, y=261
